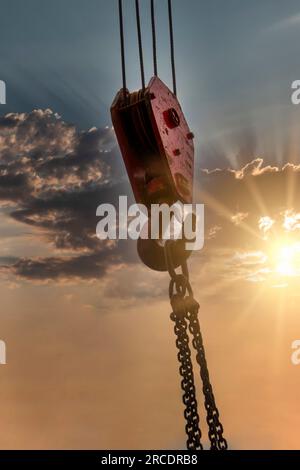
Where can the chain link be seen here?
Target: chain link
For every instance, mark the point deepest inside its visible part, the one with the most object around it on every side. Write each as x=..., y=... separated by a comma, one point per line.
x=185, y=316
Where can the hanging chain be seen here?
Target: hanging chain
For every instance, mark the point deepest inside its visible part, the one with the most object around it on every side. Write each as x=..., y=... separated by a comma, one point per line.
x=178, y=316
x=185, y=316
x=215, y=433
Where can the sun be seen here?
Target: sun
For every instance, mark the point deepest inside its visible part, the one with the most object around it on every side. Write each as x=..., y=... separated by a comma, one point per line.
x=285, y=263
x=286, y=259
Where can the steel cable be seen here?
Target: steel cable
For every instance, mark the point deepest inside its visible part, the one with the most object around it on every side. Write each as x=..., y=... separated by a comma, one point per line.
x=153, y=37
x=138, y=24
x=172, y=46
x=122, y=46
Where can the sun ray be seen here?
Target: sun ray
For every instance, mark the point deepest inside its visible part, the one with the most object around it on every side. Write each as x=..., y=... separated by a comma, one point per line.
x=219, y=208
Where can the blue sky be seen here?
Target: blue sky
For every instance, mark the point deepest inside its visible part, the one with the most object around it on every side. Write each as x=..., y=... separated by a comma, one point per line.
x=235, y=63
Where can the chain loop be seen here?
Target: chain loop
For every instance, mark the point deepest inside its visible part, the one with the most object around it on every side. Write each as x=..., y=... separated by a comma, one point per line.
x=185, y=316
x=178, y=316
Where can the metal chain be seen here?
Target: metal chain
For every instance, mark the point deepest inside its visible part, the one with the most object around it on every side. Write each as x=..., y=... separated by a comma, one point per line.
x=178, y=316
x=215, y=433
x=185, y=314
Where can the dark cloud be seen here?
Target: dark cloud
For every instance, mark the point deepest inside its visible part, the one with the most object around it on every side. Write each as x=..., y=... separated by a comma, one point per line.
x=55, y=177
x=7, y=260
x=90, y=266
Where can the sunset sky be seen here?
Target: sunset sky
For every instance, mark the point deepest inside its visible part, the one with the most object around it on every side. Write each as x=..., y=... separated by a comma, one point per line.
x=91, y=357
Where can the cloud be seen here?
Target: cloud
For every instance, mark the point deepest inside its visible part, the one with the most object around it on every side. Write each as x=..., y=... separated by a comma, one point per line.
x=265, y=223
x=291, y=221
x=91, y=266
x=249, y=190
x=255, y=210
x=286, y=23
x=239, y=217
x=53, y=177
